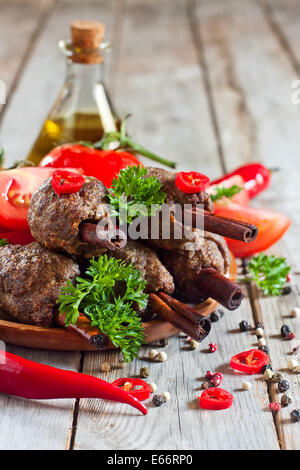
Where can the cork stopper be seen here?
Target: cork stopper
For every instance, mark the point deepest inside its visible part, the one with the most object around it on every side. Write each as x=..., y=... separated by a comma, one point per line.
x=86, y=40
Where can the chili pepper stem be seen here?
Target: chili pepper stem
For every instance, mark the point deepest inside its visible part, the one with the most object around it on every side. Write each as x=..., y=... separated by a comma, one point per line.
x=146, y=153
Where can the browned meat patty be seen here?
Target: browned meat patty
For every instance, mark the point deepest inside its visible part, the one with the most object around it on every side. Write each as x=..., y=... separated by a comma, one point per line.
x=146, y=260
x=54, y=220
x=185, y=265
x=175, y=195
x=31, y=278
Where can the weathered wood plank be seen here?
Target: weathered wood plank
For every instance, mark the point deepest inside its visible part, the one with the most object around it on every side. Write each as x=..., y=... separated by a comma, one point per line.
x=251, y=77
x=44, y=75
x=172, y=114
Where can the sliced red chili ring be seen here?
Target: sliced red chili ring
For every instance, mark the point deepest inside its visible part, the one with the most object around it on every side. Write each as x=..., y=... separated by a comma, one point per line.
x=191, y=182
x=215, y=399
x=142, y=393
x=66, y=182
x=250, y=361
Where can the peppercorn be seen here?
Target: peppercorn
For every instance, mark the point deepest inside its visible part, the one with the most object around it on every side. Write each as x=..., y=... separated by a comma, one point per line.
x=105, y=367
x=144, y=372
x=158, y=400
x=259, y=332
x=214, y=317
x=283, y=386
x=213, y=347
x=163, y=342
x=162, y=356
x=153, y=354
x=296, y=350
x=221, y=312
x=292, y=364
x=290, y=336
x=216, y=379
x=265, y=349
x=277, y=378
x=295, y=312
x=285, y=330
x=246, y=386
x=209, y=374
x=285, y=401
x=194, y=344
x=166, y=396
x=268, y=374
x=295, y=416
x=244, y=326
x=261, y=342
x=264, y=368
x=153, y=387
x=286, y=290
x=205, y=385
x=259, y=324
x=275, y=406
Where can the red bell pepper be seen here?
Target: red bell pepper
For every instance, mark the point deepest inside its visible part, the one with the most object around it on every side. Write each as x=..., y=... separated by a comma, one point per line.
x=138, y=388
x=215, y=399
x=191, y=182
x=22, y=378
x=256, y=176
x=250, y=362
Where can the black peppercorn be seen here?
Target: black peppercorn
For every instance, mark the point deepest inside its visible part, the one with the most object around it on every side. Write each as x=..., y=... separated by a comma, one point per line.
x=285, y=401
x=163, y=342
x=286, y=291
x=214, y=317
x=264, y=368
x=265, y=349
x=283, y=386
x=295, y=416
x=259, y=324
x=158, y=400
x=244, y=326
x=221, y=312
x=285, y=330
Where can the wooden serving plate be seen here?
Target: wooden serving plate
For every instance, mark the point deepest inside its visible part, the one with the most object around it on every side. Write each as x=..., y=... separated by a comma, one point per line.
x=60, y=339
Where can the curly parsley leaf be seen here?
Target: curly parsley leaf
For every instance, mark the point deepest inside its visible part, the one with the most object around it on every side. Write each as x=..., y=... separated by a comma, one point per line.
x=3, y=242
x=133, y=194
x=269, y=272
x=221, y=191
x=106, y=297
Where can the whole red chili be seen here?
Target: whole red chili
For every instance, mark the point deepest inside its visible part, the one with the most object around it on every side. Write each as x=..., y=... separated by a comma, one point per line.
x=138, y=387
x=256, y=176
x=66, y=182
x=250, y=362
x=191, y=182
x=22, y=378
x=215, y=399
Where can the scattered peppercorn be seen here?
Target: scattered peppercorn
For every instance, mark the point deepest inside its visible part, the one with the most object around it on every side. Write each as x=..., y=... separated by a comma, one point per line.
x=295, y=312
x=209, y=374
x=105, y=367
x=216, y=379
x=213, y=347
x=265, y=349
x=259, y=324
x=286, y=291
x=264, y=368
x=162, y=356
x=276, y=378
x=153, y=354
x=275, y=406
x=285, y=401
x=214, y=317
x=259, y=332
x=285, y=330
x=296, y=350
x=153, y=387
x=283, y=386
x=292, y=364
x=194, y=344
x=261, y=342
x=268, y=374
x=166, y=396
x=144, y=372
x=246, y=386
x=163, y=342
x=205, y=385
x=158, y=400
x=288, y=278
x=290, y=336
x=244, y=326
x=295, y=416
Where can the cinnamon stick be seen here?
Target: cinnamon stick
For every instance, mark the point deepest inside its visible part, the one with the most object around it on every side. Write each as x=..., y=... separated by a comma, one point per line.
x=226, y=227
x=213, y=284
x=85, y=330
x=109, y=239
x=197, y=331
x=181, y=308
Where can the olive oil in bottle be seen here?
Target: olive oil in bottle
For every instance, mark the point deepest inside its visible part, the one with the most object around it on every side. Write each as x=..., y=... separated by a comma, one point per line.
x=82, y=110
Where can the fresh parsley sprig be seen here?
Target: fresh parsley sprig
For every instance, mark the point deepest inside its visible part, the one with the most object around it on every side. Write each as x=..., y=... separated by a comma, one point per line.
x=124, y=142
x=3, y=242
x=221, y=191
x=133, y=194
x=106, y=296
x=269, y=272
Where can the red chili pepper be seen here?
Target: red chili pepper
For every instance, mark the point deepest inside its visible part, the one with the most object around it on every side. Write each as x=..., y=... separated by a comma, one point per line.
x=256, y=176
x=66, y=182
x=141, y=394
x=250, y=362
x=191, y=182
x=215, y=399
x=27, y=379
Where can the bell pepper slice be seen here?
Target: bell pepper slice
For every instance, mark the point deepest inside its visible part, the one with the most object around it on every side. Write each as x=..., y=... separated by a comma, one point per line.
x=250, y=361
x=215, y=399
x=138, y=388
x=66, y=182
x=191, y=182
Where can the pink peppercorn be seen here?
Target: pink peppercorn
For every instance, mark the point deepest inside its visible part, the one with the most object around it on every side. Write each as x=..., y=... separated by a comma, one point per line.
x=290, y=336
x=213, y=347
x=209, y=374
x=216, y=380
x=274, y=406
x=288, y=278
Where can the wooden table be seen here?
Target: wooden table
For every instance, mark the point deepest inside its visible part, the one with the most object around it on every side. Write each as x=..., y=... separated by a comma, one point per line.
x=209, y=84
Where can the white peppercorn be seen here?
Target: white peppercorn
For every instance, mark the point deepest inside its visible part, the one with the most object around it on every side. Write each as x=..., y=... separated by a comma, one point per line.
x=261, y=342
x=153, y=387
x=268, y=374
x=166, y=396
x=162, y=356
x=105, y=367
x=292, y=364
x=259, y=332
x=246, y=385
x=153, y=354
x=295, y=312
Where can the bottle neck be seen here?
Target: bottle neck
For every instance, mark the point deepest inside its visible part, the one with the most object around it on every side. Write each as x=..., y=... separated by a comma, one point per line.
x=87, y=74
